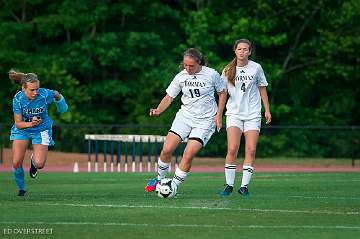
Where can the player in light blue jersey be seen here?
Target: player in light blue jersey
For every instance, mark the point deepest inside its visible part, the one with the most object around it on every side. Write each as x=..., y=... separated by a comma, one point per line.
x=32, y=122
x=196, y=120
x=246, y=85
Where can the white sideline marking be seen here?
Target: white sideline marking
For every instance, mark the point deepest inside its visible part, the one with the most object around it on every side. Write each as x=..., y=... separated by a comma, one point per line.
x=202, y=208
x=189, y=225
x=322, y=197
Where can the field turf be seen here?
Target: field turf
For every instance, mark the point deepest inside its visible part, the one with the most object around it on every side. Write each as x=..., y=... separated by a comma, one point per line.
x=114, y=205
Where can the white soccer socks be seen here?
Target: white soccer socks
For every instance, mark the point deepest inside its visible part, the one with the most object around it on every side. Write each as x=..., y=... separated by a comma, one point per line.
x=162, y=169
x=179, y=177
x=230, y=170
x=247, y=173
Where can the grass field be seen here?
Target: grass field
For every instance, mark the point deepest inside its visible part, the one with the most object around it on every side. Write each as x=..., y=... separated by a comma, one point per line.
x=281, y=205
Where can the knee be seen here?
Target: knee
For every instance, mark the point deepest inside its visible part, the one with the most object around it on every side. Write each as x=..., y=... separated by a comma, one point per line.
x=165, y=153
x=39, y=163
x=232, y=151
x=39, y=166
x=250, y=151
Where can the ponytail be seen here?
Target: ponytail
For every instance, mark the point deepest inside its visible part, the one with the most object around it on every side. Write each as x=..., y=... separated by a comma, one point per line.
x=230, y=71
x=17, y=77
x=22, y=78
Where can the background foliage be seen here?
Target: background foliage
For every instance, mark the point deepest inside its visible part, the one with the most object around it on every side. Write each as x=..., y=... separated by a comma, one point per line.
x=114, y=59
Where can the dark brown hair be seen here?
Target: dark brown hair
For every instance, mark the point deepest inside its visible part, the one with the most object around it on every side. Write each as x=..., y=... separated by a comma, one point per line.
x=230, y=69
x=196, y=55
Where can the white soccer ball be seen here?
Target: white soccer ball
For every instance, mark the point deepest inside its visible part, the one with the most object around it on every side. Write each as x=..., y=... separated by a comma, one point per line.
x=165, y=188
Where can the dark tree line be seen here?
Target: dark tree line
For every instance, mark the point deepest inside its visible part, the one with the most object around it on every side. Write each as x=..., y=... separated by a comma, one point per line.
x=114, y=59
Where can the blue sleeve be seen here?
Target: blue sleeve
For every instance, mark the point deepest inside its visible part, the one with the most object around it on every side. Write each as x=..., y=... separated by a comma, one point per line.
x=50, y=96
x=61, y=105
x=16, y=106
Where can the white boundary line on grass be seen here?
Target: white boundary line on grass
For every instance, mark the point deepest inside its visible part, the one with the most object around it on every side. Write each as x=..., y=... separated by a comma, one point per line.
x=189, y=225
x=323, y=197
x=202, y=208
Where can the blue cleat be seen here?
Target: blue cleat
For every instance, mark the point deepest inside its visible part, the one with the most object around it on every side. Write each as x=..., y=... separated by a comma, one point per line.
x=151, y=185
x=244, y=191
x=227, y=190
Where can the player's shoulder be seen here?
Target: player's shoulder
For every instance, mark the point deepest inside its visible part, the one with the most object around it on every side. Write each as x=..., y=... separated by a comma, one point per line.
x=254, y=64
x=209, y=70
x=43, y=92
x=181, y=74
x=19, y=96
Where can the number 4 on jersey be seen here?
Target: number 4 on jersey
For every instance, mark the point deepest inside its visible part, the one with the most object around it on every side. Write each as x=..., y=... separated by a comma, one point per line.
x=243, y=87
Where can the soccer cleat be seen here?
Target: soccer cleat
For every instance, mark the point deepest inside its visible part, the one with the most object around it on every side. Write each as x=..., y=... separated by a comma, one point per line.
x=33, y=169
x=244, y=191
x=151, y=185
x=227, y=190
x=21, y=193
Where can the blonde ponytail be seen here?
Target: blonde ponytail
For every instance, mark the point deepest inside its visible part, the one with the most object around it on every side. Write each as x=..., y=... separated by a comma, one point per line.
x=17, y=77
x=22, y=78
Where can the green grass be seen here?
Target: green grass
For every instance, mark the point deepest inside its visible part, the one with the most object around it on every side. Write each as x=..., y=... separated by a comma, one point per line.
x=282, y=205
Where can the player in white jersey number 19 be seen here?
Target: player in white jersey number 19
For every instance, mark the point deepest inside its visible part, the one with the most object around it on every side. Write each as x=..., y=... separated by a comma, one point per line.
x=197, y=118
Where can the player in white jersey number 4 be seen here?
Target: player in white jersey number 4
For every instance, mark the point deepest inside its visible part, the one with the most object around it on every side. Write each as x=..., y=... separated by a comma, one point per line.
x=246, y=84
x=197, y=118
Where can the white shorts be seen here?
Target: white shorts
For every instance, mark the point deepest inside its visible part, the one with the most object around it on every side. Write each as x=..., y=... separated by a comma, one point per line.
x=243, y=125
x=196, y=129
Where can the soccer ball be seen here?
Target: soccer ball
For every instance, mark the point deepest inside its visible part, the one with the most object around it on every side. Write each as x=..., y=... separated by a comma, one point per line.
x=165, y=188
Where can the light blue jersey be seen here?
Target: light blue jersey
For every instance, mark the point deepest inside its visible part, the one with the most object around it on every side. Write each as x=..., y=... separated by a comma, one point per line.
x=37, y=107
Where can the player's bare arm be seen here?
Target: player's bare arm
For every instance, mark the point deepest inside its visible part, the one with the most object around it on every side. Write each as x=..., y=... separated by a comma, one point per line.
x=20, y=124
x=265, y=100
x=221, y=105
x=164, y=104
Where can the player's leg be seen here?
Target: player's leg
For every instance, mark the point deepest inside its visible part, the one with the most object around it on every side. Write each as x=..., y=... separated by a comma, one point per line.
x=192, y=147
x=39, y=155
x=171, y=142
x=198, y=138
x=234, y=132
x=18, y=149
x=41, y=142
x=251, y=133
x=178, y=131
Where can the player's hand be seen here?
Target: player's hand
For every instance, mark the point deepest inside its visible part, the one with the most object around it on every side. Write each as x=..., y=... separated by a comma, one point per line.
x=218, y=122
x=36, y=120
x=268, y=117
x=154, y=112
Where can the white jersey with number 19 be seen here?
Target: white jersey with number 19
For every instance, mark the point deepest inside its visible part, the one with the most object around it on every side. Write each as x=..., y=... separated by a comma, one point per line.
x=245, y=101
x=198, y=99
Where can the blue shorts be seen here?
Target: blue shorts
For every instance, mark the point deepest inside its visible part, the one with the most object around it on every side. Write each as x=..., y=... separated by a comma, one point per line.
x=43, y=137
